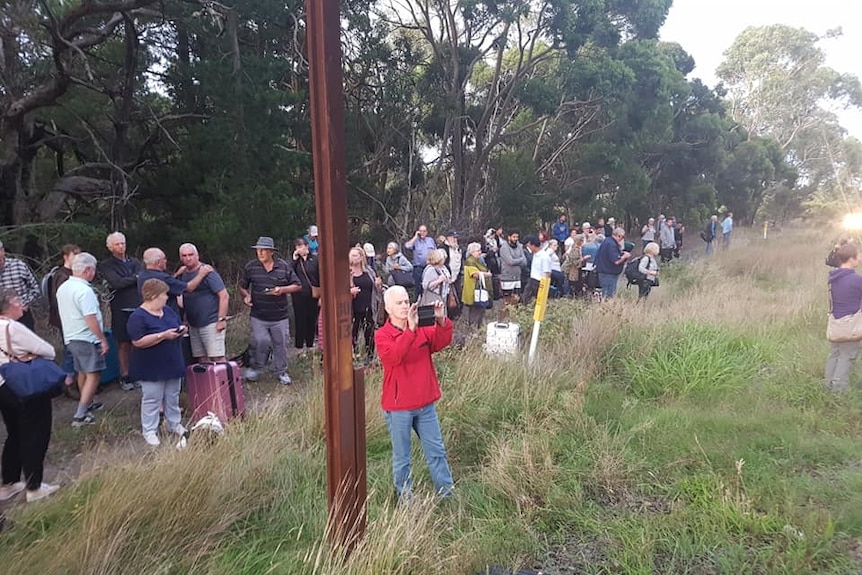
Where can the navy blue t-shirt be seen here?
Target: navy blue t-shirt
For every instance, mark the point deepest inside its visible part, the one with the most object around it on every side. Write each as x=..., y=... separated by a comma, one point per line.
x=201, y=305
x=175, y=287
x=161, y=361
x=609, y=253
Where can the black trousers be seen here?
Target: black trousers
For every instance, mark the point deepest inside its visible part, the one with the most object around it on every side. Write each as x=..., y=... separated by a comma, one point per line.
x=28, y=425
x=666, y=254
x=531, y=291
x=644, y=287
x=305, y=310
x=364, y=321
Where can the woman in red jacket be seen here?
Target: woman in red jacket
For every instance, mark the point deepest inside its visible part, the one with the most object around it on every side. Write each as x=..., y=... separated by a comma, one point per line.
x=410, y=388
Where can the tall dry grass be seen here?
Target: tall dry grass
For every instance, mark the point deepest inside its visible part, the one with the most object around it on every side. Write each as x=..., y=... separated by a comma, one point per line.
x=511, y=430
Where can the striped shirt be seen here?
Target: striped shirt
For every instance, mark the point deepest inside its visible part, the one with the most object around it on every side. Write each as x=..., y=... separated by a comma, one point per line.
x=16, y=276
x=256, y=279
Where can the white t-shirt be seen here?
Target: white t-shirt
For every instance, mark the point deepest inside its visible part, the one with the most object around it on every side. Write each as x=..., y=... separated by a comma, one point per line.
x=541, y=266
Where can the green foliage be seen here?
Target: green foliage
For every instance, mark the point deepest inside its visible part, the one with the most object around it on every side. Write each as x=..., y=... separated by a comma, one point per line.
x=693, y=359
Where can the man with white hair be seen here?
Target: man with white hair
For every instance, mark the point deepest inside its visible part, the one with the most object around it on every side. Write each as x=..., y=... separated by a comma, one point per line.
x=83, y=333
x=411, y=388
x=121, y=273
x=206, y=307
x=155, y=262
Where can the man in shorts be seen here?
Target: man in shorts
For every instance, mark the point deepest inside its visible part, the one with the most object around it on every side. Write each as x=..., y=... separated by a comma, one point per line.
x=206, y=308
x=83, y=333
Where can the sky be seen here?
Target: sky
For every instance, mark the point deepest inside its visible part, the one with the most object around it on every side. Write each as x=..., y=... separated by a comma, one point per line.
x=706, y=28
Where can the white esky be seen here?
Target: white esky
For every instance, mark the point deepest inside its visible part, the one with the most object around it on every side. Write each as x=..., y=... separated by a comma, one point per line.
x=706, y=28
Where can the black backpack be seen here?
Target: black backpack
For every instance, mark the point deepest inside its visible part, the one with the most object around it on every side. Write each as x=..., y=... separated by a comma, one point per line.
x=633, y=273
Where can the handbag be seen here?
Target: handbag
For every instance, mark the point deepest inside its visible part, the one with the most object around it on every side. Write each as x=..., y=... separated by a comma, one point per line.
x=403, y=278
x=452, y=300
x=481, y=297
x=847, y=328
x=31, y=377
x=315, y=290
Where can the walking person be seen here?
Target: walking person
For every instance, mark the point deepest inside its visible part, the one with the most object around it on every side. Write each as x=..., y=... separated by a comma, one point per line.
x=264, y=286
x=726, y=230
x=157, y=359
x=709, y=233
x=648, y=267
x=405, y=351
x=28, y=423
x=306, y=306
x=845, y=294
x=667, y=240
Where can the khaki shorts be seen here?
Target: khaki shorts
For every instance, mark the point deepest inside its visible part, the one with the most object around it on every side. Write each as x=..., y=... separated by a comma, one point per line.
x=206, y=341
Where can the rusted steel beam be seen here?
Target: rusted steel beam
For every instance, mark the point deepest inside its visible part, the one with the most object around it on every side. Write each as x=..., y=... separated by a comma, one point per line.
x=343, y=387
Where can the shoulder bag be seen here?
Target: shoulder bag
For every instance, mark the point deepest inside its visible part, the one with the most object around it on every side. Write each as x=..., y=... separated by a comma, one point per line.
x=847, y=328
x=481, y=298
x=29, y=377
x=315, y=290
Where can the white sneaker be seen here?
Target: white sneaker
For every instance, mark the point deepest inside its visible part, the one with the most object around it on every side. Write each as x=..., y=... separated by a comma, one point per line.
x=44, y=491
x=179, y=429
x=152, y=439
x=9, y=491
x=284, y=379
x=250, y=374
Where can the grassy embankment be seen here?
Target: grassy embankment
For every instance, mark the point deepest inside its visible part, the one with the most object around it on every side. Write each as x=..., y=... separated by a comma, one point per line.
x=687, y=435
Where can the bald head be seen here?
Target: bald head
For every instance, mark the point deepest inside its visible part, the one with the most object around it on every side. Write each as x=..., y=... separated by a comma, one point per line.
x=155, y=259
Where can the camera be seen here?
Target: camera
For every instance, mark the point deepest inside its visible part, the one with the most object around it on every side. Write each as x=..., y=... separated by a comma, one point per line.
x=426, y=315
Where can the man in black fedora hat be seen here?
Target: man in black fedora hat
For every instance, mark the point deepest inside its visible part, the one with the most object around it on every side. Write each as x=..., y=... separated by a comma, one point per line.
x=266, y=281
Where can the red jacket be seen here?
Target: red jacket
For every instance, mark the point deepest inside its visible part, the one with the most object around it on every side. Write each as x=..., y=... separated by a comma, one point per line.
x=409, y=379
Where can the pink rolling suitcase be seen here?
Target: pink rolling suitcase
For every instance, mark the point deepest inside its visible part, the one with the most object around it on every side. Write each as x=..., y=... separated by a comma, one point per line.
x=215, y=387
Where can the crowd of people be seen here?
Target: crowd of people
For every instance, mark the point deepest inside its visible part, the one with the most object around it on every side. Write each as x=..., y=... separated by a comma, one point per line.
x=153, y=311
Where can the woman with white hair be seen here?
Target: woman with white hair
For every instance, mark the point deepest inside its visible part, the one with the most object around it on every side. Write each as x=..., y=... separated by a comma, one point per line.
x=476, y=273
x=648, y=267
x=396, y=261
x=411, y=388
x=436, y=279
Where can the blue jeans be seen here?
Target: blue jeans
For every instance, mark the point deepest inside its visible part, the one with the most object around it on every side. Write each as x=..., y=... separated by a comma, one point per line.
x=608, y=283
x=709, y=248
x=427, y=427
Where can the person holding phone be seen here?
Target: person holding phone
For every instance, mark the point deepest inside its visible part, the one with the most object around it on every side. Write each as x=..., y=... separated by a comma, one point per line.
x=157, y=360
x=411, y=388
x=422, y=245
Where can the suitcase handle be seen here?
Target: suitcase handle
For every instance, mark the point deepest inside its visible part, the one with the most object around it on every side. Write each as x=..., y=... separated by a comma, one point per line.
x=198, y=368
x=502, y=324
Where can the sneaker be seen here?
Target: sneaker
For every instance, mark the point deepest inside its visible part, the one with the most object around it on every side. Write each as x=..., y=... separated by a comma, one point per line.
x=82, y=421
x=179, y=429
x=126, y=384
x=136, y=384
x=250, y=374
x=94, y=406
x=152, y=439
x=44, y=491
x=9, y=491
x=284, y=379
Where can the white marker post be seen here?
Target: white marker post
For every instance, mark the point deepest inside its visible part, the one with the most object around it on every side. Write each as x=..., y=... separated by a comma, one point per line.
x=539, y=316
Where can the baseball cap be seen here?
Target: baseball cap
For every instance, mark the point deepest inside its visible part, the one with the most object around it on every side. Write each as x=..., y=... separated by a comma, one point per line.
x=369, y=250
x=312, y=231
x=586, y=225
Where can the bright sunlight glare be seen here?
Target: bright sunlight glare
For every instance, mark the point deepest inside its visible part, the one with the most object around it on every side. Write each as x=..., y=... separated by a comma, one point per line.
x=853, y=221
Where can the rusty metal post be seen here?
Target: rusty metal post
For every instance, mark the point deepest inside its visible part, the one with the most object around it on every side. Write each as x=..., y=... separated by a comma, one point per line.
x=343, y=387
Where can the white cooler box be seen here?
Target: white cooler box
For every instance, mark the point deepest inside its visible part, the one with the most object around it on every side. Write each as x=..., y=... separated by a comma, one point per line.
x=502, y=338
